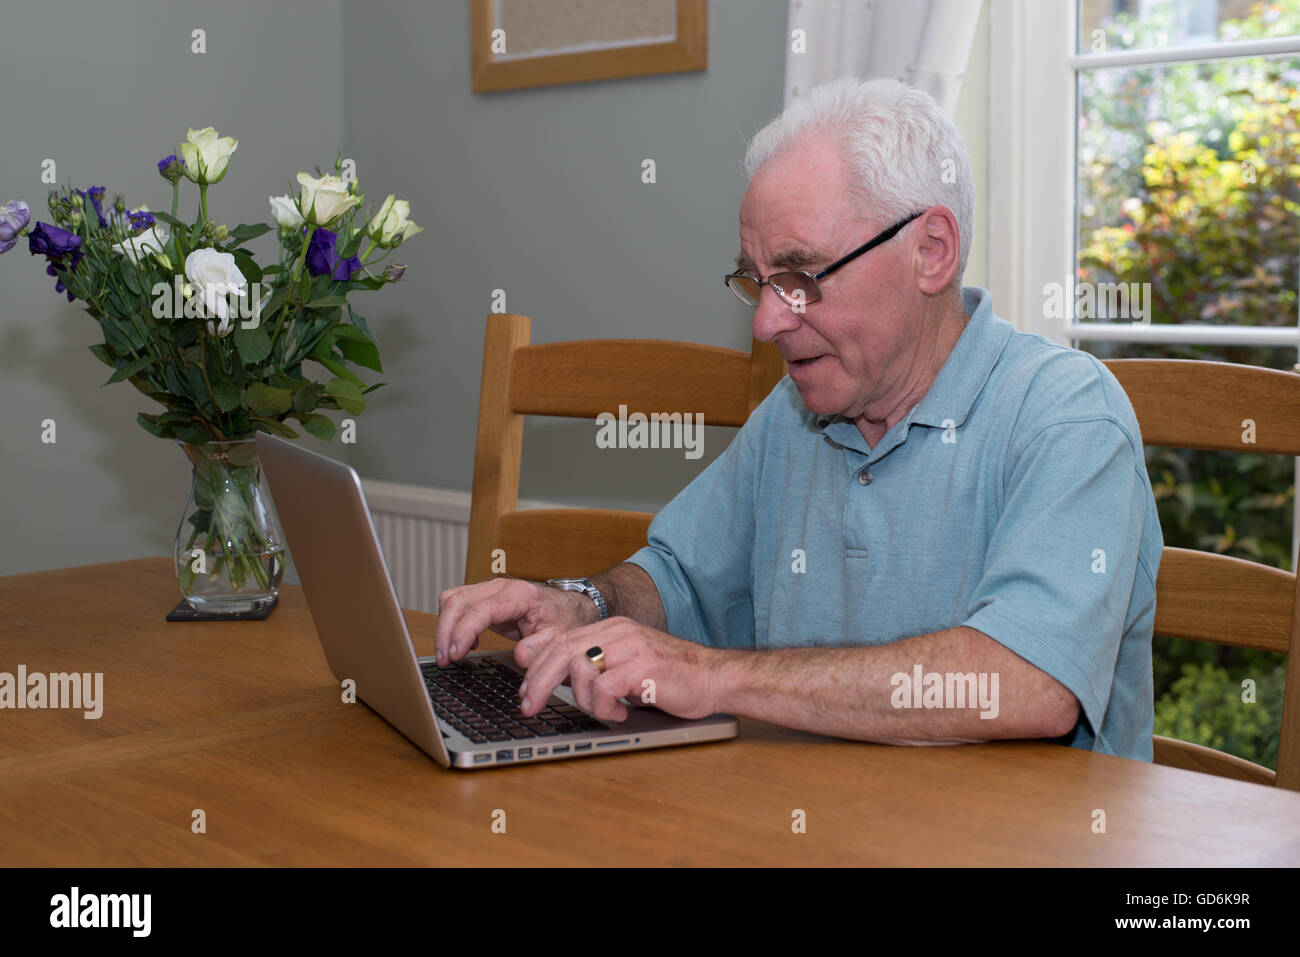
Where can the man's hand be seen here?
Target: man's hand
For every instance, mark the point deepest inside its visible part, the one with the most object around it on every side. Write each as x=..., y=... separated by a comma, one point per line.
x=684, y=674
x=509, y=606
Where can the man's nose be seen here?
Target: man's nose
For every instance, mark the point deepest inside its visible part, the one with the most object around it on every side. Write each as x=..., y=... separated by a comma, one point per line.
x=772, y=316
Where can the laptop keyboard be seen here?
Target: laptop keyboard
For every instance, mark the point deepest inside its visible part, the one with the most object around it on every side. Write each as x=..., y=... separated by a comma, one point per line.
x=479, y=697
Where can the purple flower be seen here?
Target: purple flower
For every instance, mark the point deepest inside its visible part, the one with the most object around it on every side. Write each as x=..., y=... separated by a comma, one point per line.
x=14, y=217
x=323, y=257
x=140, y=221
x=47, y=240
x=171, y=168
x=54, y=244
x=95, y=192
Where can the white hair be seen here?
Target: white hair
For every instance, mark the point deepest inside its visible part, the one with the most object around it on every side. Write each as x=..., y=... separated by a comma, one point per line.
x=902, y=149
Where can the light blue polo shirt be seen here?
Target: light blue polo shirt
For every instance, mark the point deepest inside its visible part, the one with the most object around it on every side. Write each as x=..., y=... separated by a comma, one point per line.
x=1012, y=499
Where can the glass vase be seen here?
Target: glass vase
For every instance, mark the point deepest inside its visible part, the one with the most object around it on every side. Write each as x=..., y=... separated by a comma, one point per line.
x=229, y=547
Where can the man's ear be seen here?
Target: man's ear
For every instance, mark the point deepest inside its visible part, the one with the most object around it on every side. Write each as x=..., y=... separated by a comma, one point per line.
x=936, y=250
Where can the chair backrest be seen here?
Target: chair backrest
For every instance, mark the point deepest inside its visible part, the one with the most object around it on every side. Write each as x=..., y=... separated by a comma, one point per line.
x=1194, y=404
x=583, y=379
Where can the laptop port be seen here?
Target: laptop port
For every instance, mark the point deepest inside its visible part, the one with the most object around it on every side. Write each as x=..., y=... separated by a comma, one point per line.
x=560, y=749
x=483, y=758
x=541, y=751
x=582, y=747
x=610, y=744
x=525, y=753
x=506, y=755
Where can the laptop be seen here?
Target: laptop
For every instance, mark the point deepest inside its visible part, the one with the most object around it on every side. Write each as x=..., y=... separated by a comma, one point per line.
x=464, y=715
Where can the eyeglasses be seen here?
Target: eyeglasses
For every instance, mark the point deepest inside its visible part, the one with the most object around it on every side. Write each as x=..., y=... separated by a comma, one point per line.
x=798, y=289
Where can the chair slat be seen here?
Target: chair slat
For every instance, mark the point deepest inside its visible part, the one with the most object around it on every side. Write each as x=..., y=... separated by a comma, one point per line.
x=1193, y=404
x=1230, y=601
x=569, y=543
x=584, y=379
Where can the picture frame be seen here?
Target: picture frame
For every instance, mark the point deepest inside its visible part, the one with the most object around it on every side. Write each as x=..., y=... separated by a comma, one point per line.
x=494, y=24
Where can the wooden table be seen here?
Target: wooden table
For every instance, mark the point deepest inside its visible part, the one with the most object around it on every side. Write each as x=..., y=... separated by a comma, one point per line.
x=245, y=722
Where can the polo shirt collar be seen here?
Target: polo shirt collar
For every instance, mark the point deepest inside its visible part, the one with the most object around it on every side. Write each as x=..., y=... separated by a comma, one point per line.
x=968, y=366
x=955, y=388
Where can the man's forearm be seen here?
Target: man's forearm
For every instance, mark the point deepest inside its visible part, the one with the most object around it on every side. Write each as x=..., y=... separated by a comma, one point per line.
x=857, y=692
x=629, y=591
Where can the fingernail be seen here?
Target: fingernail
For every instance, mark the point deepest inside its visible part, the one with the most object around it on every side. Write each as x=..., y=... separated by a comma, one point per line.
x=526, y=705
x=523, y=688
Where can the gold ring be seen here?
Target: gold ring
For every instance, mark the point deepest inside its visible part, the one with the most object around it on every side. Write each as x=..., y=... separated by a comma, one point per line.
x=597, y=657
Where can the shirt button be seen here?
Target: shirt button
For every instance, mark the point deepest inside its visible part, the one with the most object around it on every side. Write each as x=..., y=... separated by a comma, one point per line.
x=865, y=476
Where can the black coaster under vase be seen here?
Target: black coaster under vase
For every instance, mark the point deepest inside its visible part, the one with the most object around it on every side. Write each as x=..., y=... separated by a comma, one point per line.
x=183, y=612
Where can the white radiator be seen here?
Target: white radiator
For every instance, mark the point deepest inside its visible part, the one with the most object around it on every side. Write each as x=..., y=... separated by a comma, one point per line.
x=424, y=533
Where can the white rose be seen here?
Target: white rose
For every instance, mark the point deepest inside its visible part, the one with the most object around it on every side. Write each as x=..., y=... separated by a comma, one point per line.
x=324, y=200
x=205, y=155
x=392, y=225
x=285, y=212
x=215, y=276
x=136, y=248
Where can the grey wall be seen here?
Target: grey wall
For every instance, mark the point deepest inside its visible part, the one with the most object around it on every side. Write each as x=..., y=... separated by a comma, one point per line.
x=537, y=192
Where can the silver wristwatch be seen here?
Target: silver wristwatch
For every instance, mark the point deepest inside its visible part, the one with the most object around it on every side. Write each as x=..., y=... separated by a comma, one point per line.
x=585, y=586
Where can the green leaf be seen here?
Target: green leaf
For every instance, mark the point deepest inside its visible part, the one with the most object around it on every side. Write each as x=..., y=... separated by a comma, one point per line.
x=306, y=398
x=254, y=345
x=324, y=347
x=130, y=276
x=247, y=231
x=104, y=354
x=130, y=369
x=369, y=389
x=361, y=323
x=346, y=394
x=318, y=425
x=328, y=301
x=153, y=426
x=199, y=389
x=275, y=427
x=340, y=370
x=362, y=353
x=267, y=400
x=247, y=267
x=350, y=332
x=304, y=286
x=170, y=220
x=226, y=394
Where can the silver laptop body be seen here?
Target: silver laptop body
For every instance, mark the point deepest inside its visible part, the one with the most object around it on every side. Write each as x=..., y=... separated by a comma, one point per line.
x=364, y=635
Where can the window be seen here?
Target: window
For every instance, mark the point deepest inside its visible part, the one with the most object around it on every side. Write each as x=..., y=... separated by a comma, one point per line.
x=1145, y=202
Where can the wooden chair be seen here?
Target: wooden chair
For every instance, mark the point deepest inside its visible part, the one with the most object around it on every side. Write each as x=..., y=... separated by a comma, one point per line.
x=582, y=379
x=1193, y=404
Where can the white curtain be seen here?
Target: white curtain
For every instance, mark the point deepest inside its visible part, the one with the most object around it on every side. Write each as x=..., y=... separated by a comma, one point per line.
x=925, y=43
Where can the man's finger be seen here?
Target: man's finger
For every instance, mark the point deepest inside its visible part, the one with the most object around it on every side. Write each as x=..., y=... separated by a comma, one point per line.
x=549, y=669
x=468, y=611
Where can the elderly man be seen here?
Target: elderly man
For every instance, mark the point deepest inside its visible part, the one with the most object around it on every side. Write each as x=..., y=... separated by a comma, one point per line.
x=935, y=530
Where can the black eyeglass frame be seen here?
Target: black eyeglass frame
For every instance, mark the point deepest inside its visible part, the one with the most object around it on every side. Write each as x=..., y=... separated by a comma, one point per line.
x=869, y=245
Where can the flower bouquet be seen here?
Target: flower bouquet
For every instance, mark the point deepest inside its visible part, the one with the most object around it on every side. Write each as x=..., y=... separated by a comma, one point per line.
x=221, y=343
